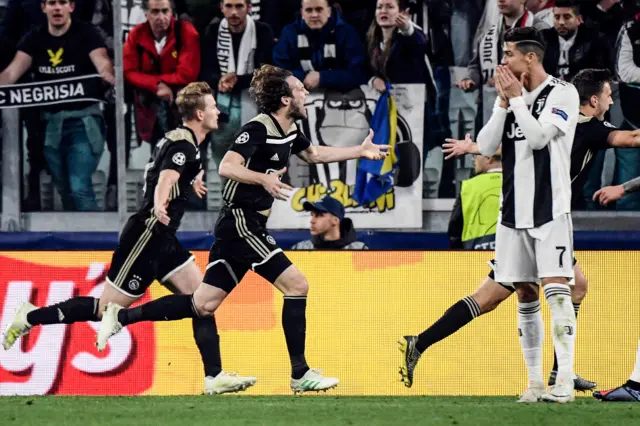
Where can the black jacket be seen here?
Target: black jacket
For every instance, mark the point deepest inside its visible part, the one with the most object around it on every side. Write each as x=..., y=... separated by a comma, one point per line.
x=210, y=69
x=588, y=51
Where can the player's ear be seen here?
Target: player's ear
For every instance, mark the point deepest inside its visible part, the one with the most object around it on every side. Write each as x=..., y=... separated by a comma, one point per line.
x=593, y=101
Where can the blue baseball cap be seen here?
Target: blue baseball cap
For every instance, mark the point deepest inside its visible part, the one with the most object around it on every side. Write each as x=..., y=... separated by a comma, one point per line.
x=326, y=205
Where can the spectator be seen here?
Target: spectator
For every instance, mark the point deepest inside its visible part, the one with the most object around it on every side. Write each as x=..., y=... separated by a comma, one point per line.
x=74, y=135
x=488, y=53
x=330, y=230
x=234, y=48
x=607, y=16
x=321, y=50
x=160, y=57
x=475, y=213
x=20, y=17
x=628, y=73
x=543, y=10
x=396, y=48
x=571, y=46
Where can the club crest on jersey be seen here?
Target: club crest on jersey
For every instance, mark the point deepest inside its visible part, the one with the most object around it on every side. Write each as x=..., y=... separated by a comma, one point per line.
x=179, y=158
x=560, y=112
x=270, y=240
x=134, y=284
x=515, y=133
x=243, y=138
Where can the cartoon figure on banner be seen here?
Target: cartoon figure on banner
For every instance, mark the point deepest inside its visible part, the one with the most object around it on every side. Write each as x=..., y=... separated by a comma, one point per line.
x=343, y=120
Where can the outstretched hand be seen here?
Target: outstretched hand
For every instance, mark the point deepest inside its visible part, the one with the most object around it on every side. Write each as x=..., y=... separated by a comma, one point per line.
x=608, y=194
x=456, y=147
x=372, y=151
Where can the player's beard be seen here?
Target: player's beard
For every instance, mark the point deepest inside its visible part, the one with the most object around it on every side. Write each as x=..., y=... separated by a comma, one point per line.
x=297, y=113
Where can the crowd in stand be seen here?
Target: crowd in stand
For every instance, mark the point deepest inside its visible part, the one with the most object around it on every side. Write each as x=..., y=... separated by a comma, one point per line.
x=449, y=46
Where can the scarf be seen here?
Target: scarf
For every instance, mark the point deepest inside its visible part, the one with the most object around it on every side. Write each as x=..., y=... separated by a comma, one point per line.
x=324, y=58
x=489, y=45
x=248, y=44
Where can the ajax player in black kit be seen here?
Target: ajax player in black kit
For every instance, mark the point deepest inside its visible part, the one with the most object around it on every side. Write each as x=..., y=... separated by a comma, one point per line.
x=148, y=248
x=253, y=167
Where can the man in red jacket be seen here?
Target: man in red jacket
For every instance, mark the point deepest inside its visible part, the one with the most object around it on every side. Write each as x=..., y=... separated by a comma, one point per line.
x=160, y=57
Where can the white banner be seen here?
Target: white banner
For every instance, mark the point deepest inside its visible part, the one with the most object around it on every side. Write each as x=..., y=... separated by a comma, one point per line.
x=337, y=119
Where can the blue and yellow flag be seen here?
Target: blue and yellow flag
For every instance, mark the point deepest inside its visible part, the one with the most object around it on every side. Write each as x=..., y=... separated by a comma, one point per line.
x=374, y=177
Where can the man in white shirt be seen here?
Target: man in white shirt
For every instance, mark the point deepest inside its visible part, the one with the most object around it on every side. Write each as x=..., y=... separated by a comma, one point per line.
x=534, y=119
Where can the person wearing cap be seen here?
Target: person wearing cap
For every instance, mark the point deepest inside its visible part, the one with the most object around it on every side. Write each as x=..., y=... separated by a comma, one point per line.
x=330, y=230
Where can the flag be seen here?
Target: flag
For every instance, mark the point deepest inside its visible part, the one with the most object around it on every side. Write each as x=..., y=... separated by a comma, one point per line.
x=374, y=177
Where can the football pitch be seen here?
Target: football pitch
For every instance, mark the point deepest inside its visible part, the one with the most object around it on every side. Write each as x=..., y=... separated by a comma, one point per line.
x=308, y=410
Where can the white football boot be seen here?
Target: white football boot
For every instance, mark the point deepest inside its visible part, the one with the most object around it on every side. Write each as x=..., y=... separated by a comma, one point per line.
x=313, y=381
x=533, y=393
x=109, y=325
x=19, y=326
x=226, y=383
x=561, y=392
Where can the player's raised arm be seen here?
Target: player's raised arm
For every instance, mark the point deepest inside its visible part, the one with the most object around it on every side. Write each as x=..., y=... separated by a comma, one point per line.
x=559, y=109
x=456, y=148
x=609, y=194
x=490, y=136
x=328, y=154
x=624, y=139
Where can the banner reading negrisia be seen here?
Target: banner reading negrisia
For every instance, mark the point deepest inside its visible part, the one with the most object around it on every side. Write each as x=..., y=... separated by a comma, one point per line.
x=73, y=89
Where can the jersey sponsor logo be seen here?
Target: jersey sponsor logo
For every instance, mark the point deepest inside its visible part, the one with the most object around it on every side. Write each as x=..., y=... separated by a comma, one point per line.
x=49, y=362
x=179, y=158
x=560, y=112
x=515, y=133
x=275, y=157
x=243, y=138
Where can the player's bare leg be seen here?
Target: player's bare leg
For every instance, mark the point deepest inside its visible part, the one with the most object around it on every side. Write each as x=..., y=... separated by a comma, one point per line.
x=293, y=285
x=205, y=333
x=76, y=309
x=578, y=293
x=563, y=319
x=531, y=332
x=485, y=299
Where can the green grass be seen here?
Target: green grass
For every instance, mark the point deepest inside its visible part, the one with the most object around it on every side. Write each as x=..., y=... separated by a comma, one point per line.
x=308, y=410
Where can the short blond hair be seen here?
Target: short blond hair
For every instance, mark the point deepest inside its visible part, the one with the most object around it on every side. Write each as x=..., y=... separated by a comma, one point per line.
x=191, y=98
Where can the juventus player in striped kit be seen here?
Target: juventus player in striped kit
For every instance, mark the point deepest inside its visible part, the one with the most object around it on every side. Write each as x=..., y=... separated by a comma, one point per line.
x=534, y=235
x=253, y=167
x=593, y=133
x=526, y=215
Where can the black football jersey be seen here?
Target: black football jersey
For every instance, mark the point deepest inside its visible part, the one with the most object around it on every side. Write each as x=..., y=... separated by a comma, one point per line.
x=266, y=149
x=176, y=151
x=592, y=135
